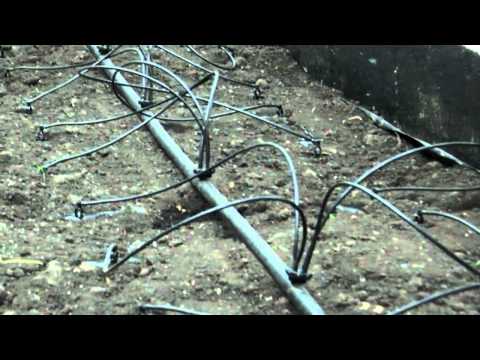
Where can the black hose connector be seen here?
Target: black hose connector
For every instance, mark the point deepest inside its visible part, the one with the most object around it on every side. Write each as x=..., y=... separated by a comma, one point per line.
x=104, y=49
x=41, y=134
x=204, y=174
x=298, y=279
x=26, y=108
x=79, y=211
x=280, y=111
x=258, y=93
x=419, y=218
x=317, y=147
x=145, y=103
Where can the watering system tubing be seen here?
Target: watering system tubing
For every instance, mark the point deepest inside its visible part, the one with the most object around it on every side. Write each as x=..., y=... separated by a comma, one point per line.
x=278, y=270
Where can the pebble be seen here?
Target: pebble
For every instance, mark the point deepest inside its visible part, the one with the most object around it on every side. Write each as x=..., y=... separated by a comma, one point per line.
x=371, y=139
x=378, y=309
x=5, y=157
x=98, y=290
x=281, y=302
x=52, y=274
x=241, y=61
x=262, y=83
x=362, y=295
x=65, y=178
x=310, y=173
x=145, y=271
x=344, y=299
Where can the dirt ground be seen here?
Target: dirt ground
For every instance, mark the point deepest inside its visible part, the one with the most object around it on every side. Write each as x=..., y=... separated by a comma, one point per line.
x=369, y=262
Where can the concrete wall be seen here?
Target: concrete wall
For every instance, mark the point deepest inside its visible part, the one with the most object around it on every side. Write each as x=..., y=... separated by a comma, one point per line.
x=430, y=91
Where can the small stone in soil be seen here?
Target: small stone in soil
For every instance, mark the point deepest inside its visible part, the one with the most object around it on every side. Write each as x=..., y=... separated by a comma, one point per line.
x=5, y=157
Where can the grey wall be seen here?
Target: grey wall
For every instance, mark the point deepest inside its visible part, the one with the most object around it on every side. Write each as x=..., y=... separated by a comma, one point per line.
x=430, y=91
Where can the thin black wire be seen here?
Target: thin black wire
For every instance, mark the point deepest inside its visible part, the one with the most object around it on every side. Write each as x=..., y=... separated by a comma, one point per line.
x=171, y=102
x=80, y=206
x=98, y=121
x=369, y=173
x=220, y=66
x=49, y=68
x=306, y=137
x=212, y=211
x=198, y=66
x=421, y=213
x=205, y=155
x=53, y=163
x=432, y=298
x=389, y=206
x=141, y=87
x=428, y=189
x=169, y=308
x=71, y=80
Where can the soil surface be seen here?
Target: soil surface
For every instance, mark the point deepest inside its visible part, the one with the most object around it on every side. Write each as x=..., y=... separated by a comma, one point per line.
x=368, y=262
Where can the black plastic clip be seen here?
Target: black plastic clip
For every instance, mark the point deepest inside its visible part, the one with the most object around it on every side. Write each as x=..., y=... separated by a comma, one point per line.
x=258, y=94
x=229, y=49
x=104, y=49
x=41, y=134
x=205, y=174
x=26, y=108
x=111, y=256
x=298, y=279
x=317, y=147
x=419, y=218
x=145, y=103
x=78, y=211
x=280, y=111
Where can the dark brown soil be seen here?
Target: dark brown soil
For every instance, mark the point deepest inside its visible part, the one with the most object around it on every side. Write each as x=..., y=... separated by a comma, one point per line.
x=367, y=263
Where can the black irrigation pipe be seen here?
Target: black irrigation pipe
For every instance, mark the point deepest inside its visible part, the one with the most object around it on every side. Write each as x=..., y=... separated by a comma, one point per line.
x=369, y=173
x=306, y=137
x=29, y=102
x=220, y=66
x=169, y=308
x=387, y=204
x=234, y=109
x=80, y=206
x=442, y=156
x=214, y=116
x=111, y=54
x=49, y=68
x=213, y=211
x=205, y=155
x=301, y=299
x=198, y=66
x=432, y=298
x=280, y=272
x=44, y=167
x=171, y=101
x=420, y=218
x=42, y=127
x=427, y=189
